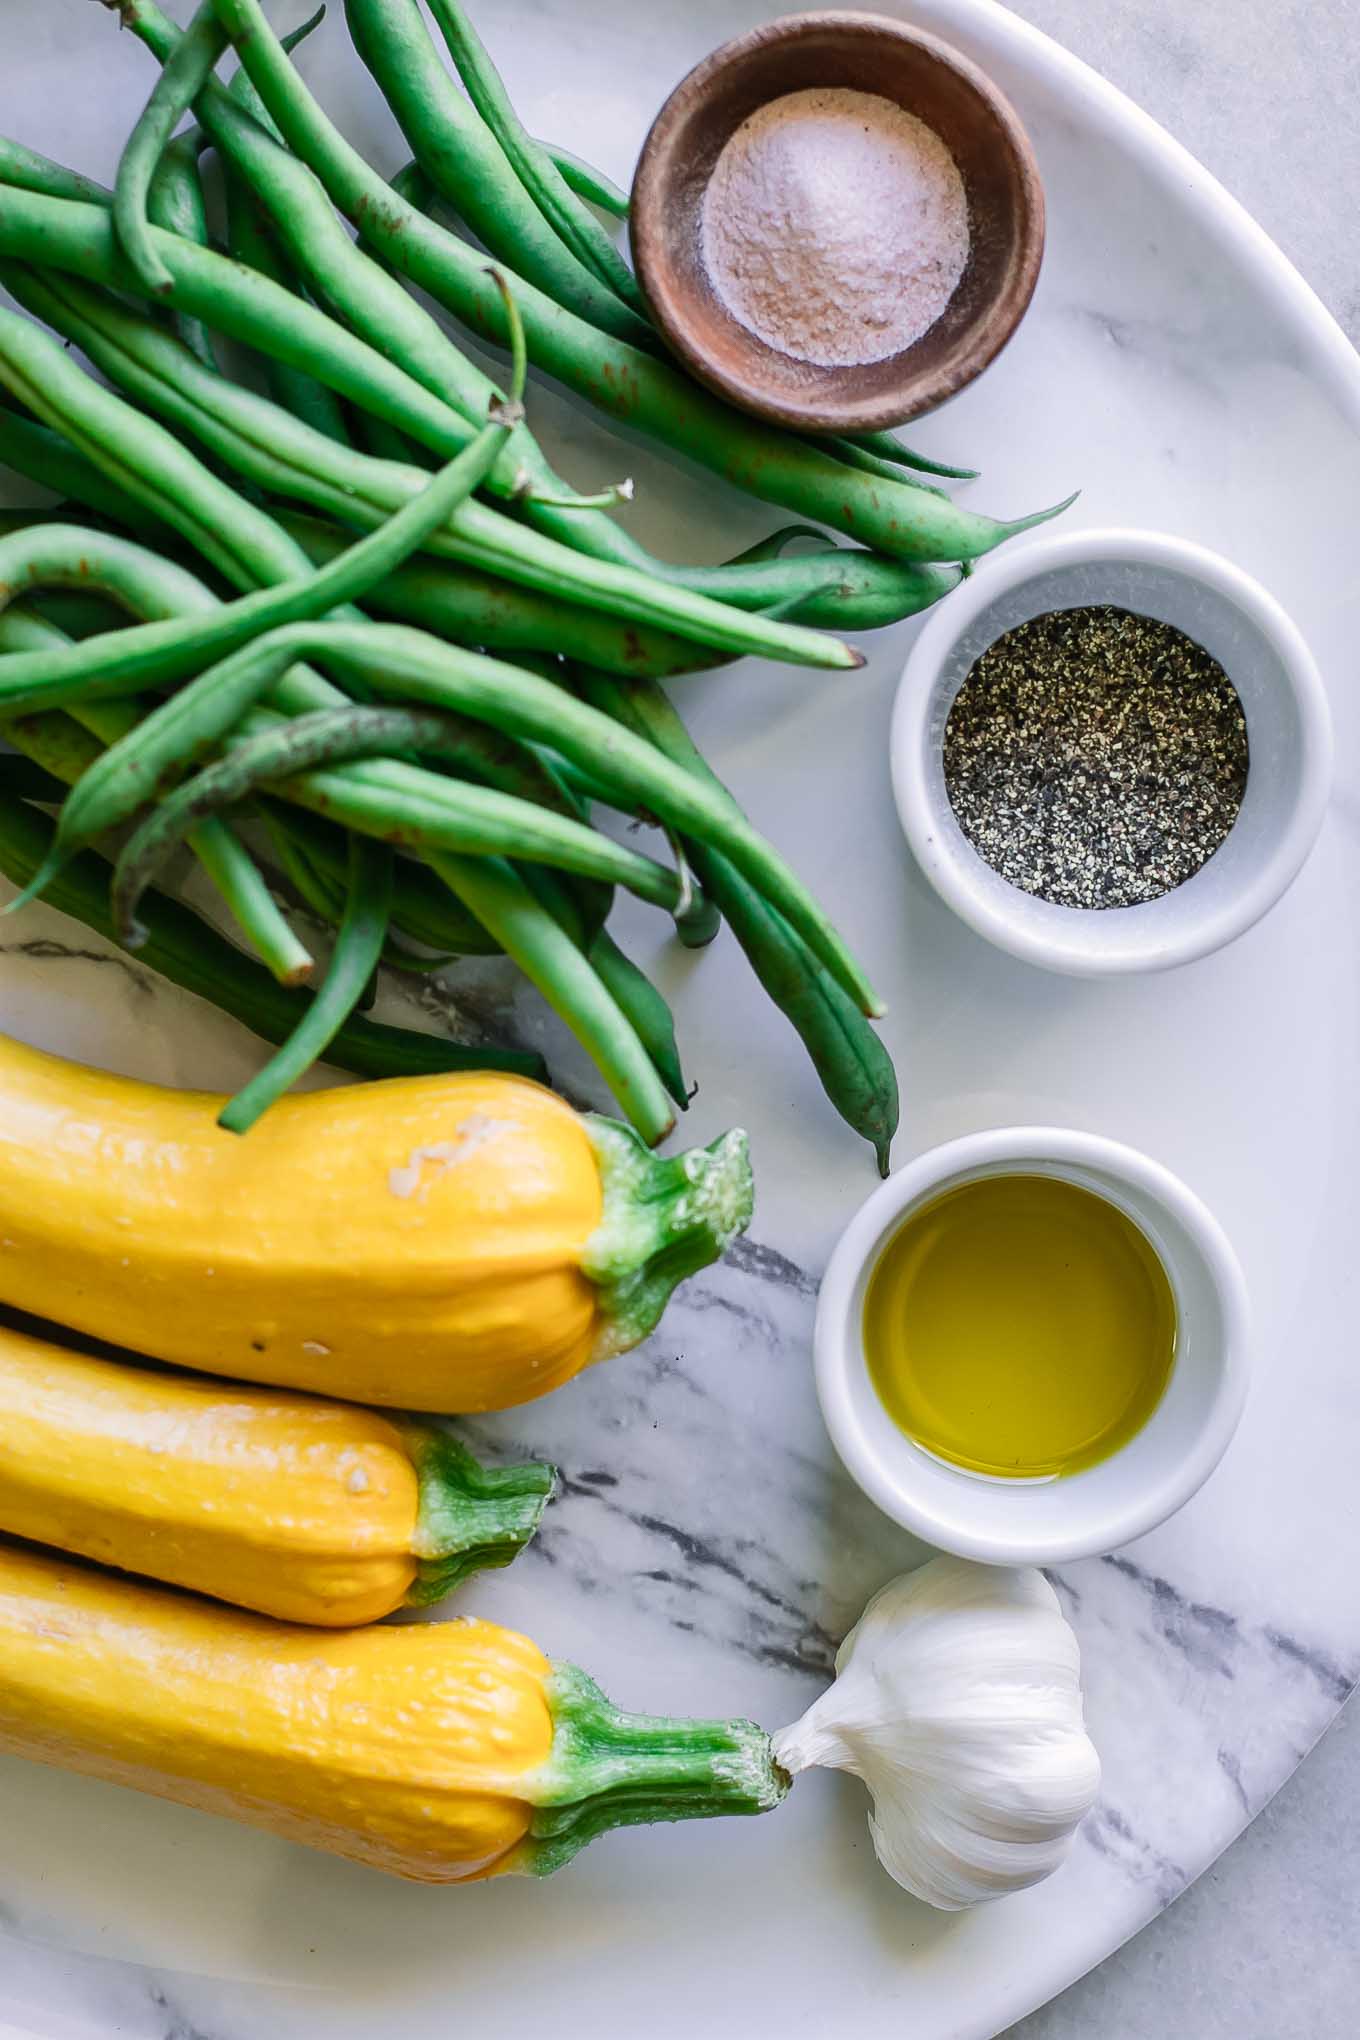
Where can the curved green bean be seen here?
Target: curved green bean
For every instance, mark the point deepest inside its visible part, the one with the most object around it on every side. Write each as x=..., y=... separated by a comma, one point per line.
x=651, y=1017
x=855, y=1068
x=890, y=448
x=588, y=182
x=552, y=963
x=67, y=750
x=186, y=71
x=176, y=204
x=631, y=989
x=358, y=950
x=470, y=162
x=575, y=226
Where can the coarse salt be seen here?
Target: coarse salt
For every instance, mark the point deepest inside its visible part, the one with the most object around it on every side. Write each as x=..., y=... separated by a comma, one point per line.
x=835, y=226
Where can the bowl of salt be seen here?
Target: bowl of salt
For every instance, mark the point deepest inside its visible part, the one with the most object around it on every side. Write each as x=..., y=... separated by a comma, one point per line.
x=837, y=222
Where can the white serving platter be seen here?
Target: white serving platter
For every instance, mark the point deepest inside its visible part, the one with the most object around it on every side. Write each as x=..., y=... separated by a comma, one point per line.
x=707, y=1551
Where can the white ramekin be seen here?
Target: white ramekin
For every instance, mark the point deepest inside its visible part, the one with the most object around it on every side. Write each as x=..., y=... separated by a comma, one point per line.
x=1044, y=1522
x=1288, y=730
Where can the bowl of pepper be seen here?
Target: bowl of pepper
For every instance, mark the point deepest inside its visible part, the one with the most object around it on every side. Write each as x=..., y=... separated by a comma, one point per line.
x=1111, y=752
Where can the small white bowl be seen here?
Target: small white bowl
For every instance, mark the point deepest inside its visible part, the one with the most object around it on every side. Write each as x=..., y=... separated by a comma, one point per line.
x=1289, y=735
x=1005, y=1522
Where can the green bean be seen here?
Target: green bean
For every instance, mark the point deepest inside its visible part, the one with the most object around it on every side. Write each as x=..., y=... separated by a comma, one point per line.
x=184, y=948
x=446, y=404
x=643, y=391
x=447, y=598
x=423, y=909
x=462, y=817
x=406, y=665
x=348, y=280
x=156, y=653
x=46, y=457
x=25, y=169
x=474, y=608
x=578, y=995
x=230, y=533
x=176, y=204
x=67, y=751
x=651, y=1017
x=890, y=448
x=253, y=245
x=631, y=989
x=857, y=456
x=855, y=1068
x=469, y=161
x=316, y=889
x=576, y=227
x=270, y=446
x=358, y=949
x=183, y=77
x=587, y=182
x=566, y=979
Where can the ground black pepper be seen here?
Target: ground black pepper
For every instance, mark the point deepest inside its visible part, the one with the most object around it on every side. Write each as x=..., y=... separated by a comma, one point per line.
x=1095, y=757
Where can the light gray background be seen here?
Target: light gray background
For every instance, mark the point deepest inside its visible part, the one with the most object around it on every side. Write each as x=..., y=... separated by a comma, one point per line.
x=1266, y=1946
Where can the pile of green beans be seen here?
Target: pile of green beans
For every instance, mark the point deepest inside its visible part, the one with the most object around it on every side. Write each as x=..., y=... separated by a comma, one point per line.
x=338, y=626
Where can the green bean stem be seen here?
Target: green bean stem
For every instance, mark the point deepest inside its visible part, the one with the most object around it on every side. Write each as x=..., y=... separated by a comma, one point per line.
x=357, y=952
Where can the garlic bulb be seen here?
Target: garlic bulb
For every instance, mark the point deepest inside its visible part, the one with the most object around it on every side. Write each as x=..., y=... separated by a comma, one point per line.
x=957, y=1700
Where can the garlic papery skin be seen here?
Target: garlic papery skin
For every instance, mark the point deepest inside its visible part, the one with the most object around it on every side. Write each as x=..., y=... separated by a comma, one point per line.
x=957, y=1699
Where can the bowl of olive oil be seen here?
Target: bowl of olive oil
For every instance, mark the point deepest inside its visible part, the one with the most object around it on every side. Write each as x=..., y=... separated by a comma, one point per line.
x=1031, y=1345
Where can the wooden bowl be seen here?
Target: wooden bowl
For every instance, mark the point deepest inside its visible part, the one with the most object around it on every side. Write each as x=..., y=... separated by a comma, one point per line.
x=977, y=124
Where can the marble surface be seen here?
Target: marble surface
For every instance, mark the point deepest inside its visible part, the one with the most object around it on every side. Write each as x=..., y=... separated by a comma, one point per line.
x=706, y=1552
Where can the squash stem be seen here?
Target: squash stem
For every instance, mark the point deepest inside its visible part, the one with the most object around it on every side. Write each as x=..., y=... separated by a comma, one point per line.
x=610, y=1769
x=665, y=1217
x=470, y=1517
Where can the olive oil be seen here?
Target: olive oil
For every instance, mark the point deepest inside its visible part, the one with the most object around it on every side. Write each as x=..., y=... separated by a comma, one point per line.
x=1019, y=1326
